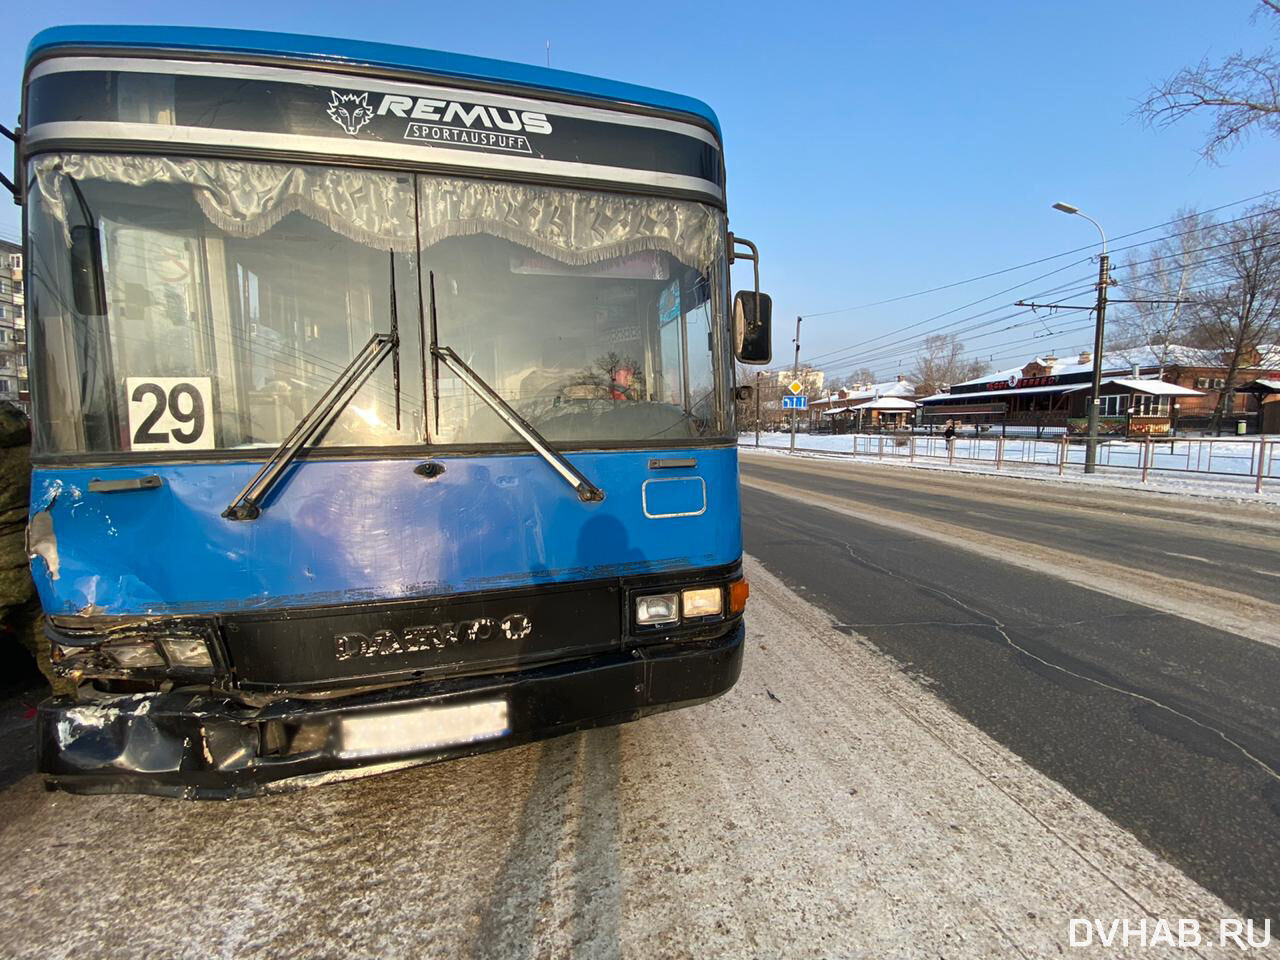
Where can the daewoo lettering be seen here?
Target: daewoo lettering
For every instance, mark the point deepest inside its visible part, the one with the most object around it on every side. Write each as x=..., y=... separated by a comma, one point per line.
x=435, y=637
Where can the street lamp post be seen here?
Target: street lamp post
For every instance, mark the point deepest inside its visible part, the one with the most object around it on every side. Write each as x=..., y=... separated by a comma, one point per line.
x=1104, y=266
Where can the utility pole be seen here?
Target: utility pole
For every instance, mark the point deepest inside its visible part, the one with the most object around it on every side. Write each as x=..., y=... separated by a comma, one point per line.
x=1095, y=401
x=757, y=408
x=795, y=375
x=1104, y=264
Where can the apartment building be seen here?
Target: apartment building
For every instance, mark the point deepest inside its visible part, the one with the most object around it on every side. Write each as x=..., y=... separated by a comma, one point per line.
x=13, y=328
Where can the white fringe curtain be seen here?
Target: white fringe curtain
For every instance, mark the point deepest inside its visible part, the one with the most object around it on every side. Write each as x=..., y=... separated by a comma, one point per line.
x=573, y=226
x=244, y=199
x=248, y=199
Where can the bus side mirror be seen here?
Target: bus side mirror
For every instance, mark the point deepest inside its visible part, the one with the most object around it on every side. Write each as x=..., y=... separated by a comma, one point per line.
x=752, y=327
x=87, y=284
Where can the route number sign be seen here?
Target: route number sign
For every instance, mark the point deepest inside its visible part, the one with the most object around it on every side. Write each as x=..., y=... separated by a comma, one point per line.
x=170, y=413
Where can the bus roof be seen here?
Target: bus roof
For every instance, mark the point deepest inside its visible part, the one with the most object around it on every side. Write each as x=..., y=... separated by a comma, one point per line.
x=329, y=50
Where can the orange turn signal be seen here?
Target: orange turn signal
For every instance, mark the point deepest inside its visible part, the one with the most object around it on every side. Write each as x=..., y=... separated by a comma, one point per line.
x=739, y=590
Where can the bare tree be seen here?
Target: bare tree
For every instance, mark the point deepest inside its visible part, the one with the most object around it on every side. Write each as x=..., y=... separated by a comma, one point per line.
x=1167, y=270
x=941, y=362
x=1242, y=94
x=853, y=380
x=1240, y=311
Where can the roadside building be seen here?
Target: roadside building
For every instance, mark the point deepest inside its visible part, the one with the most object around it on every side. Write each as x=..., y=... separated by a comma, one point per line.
x=1205, y=371
x=838, y=413
x=1267, y=394
x=1144, y=390
x=13, y=328
x=885, y=413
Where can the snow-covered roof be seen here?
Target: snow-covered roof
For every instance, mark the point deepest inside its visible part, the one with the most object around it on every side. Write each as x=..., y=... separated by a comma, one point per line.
x=1056, y=388
x=890, y=388
x=1158, y=388
x=886, y=403
x=1266, y=382
x=1119, y=361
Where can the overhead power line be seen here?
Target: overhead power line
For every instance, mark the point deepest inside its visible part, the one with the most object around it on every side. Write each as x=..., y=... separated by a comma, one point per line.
x=844, y=356
x=946, y=313
x=854, y=354
x=1032, y=263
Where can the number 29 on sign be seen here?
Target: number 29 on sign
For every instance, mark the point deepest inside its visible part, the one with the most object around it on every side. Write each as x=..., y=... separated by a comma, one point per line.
x=170, y=413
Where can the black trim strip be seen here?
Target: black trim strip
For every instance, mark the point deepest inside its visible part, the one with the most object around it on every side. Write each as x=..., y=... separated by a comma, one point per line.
x=147, y=459
x=293, y=648
x=293, y=104
x=375, y=72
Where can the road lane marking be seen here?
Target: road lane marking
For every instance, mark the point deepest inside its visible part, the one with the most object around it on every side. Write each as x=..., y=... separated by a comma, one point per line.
x=1191, y=556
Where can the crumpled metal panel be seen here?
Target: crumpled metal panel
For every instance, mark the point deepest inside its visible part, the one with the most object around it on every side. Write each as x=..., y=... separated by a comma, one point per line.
x=343, y=531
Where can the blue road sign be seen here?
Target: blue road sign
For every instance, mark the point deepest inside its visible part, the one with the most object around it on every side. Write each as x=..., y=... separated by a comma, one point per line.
x=795, y=403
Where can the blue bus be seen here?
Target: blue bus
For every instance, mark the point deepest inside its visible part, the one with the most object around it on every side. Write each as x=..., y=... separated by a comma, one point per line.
x=383, y=405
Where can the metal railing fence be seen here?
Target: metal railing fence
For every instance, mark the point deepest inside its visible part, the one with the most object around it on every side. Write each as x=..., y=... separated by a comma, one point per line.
x=1255, y=458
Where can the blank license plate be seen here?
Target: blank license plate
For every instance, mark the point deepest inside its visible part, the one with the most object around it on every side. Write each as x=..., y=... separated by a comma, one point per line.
x=422, y=728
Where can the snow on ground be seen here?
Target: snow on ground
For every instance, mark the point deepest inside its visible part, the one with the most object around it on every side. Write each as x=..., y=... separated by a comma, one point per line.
x=1222, y=469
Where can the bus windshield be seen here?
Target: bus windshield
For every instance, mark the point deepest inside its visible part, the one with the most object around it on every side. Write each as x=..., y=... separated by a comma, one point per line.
x=232, y=293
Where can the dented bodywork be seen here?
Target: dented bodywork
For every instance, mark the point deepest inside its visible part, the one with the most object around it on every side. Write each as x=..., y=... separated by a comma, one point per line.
x=351, y=531
x=210, y=745
x=42, y=542
x=209, y=696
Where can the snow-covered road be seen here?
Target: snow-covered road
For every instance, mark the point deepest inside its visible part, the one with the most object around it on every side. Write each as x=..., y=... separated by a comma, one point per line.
x=827, y=806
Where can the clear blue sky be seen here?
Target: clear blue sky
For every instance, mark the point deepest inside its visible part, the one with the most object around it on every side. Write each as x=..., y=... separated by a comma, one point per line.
x=873, y=149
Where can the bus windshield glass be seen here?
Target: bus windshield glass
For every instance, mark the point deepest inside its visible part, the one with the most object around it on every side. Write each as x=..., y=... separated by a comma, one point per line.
x=230, y=295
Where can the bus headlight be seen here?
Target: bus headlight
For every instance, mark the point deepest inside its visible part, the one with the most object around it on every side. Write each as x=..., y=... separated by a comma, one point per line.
x=658, y=608
x=185, y=652
x=702, y=602
x=129, y=648
x=135, y=656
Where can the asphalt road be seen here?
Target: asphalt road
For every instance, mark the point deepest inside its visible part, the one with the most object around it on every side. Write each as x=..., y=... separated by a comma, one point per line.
x=1168, y=726
x=1231, y=545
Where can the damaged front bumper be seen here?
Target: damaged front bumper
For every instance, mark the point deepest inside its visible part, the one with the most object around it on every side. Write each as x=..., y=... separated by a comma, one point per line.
x=206, y=746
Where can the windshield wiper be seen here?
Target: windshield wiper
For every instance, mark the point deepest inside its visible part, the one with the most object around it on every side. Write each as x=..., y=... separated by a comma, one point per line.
x=248, y=502
x=587, y=491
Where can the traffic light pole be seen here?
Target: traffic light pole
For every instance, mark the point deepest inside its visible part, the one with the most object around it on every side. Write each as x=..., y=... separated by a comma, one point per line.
x=795, y=375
